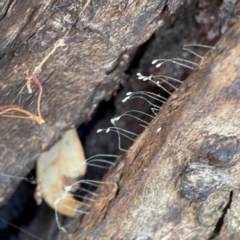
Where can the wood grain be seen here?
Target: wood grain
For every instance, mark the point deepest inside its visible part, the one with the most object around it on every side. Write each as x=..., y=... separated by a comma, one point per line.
x=75, y=77
x=181, y=182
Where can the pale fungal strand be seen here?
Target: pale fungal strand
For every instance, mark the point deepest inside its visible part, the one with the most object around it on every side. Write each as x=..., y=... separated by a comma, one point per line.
x=119, y=138
x=164, y=81
x=95, y=159
x=75, y=186
x=113, y=120
x=65, y=195
x=136, y=111
x=154, y=96
x=83, y=197
x=168, y=78
x=192, y=52
x=149, y=93
x=20, y=92
x=151, y=78
x=118, y=130
x=178, y=61
x=132, y=97
x=199, y=45
x=186, y=48
x=155, y=111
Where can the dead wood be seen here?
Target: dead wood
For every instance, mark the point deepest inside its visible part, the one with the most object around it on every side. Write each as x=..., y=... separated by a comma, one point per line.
x=76, y=76
x=181, y=182
x=79, y=59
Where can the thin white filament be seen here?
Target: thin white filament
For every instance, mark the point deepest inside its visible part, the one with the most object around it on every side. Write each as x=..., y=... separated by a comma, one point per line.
x=185, y=47
x=114, y=129
x=130, y=115
x=83, y=197
x=122, y=134
x=198, y=45
x=19, y=94
x=149, y=78
x=56, y=212
x=149, y=93
x=131, y=97
x=155, y=111
x=91, y=160
x=121, y=129
x=178, y=61
x=192, y=52
x=119, y=136
x=68, y=189
x=92, y=163
x=156, y=97
x=89, y=182
x=171, y=78
x=164, y=81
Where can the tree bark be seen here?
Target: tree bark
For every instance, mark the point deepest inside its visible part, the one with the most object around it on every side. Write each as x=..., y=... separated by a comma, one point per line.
x=180, y=182
x=88, y=67
x=100, y=45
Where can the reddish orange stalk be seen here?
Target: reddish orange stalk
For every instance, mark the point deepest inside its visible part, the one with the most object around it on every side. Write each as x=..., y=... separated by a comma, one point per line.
x=38, y=118
x=36, y=81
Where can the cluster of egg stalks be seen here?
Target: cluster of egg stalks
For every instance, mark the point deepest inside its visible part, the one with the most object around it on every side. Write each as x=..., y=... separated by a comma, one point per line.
x=60, y=168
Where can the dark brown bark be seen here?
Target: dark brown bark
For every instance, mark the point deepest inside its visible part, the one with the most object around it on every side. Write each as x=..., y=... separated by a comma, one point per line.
x=75, y=77
x=99, y=46
x=181, y=182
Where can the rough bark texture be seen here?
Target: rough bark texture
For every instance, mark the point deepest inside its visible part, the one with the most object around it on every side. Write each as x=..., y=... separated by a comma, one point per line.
x=89, y=68
x=181, y=182
x=75, y=77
